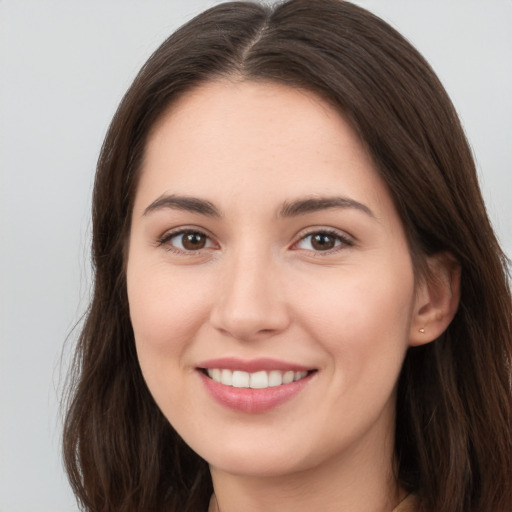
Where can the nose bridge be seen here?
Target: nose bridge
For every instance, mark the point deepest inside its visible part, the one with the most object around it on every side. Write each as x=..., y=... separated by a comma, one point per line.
x=250, y=302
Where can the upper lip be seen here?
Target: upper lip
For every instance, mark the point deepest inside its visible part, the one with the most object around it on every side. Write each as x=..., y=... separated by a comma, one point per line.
x=252, y=365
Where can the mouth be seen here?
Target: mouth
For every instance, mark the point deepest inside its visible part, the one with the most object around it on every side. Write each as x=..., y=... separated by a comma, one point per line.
x=253, y=386
x=256, y=380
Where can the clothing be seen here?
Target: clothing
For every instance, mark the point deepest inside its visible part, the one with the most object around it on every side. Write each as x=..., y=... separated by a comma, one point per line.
x=409, y=504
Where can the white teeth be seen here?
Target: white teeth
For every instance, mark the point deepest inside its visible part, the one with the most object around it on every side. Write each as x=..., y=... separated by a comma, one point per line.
x=299, y=375
x=275, y=378
x=288, y=377
x=226, y=377
x=259, y=380
x=240, y=379
x=256, y=380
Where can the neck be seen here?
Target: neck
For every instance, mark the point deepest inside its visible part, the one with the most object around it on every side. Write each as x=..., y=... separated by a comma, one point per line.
x=353, y=484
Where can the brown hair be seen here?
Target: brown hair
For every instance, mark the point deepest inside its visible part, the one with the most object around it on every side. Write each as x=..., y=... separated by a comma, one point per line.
x=454, y=405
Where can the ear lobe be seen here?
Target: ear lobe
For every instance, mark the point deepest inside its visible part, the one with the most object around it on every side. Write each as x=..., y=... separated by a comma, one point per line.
x=437, y=299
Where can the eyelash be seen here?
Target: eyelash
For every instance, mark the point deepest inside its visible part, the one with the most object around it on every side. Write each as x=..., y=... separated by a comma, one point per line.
x=165, y=239
x=342, y=241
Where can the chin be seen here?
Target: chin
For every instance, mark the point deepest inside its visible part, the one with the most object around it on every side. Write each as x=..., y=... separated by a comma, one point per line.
x=262, y=466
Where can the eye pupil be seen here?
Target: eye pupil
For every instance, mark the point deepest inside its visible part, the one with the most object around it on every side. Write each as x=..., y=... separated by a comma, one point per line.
x=322, y=241
x=193, y=241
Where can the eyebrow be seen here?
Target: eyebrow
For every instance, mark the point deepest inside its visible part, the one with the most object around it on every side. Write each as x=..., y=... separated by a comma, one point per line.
x=289, y=209
x=314, y=204
x=190, y=204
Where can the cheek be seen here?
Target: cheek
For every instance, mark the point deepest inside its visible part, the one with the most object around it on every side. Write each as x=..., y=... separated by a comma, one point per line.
x=363, y=326
x=363, y=319
x=166, y=311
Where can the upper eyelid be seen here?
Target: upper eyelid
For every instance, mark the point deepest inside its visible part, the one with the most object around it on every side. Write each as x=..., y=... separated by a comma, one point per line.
x=303, y=233
x=347, y=241
x=168, y=233
x=171, y=233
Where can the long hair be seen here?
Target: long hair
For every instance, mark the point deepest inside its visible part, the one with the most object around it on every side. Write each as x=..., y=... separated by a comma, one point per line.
x=453, y=442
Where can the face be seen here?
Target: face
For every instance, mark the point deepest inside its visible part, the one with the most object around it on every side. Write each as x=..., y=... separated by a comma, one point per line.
x=270, y=283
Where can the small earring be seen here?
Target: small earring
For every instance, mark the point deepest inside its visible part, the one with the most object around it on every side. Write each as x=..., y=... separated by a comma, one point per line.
x=422, y=330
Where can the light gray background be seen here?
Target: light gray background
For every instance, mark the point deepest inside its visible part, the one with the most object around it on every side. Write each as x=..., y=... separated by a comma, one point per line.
x=64, y=65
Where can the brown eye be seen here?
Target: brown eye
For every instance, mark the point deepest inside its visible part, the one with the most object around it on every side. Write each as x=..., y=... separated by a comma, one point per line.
x=193, y=241
x=323, y=241
x=187, y=241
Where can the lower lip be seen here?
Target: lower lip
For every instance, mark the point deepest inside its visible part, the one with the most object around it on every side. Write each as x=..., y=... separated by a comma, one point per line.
x=253, y=400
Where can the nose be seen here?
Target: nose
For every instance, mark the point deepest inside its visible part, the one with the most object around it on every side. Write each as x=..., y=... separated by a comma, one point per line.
x=250, y=301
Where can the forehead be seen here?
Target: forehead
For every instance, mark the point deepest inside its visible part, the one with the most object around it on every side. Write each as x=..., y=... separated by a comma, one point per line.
x=252, y=113
x=229, y=139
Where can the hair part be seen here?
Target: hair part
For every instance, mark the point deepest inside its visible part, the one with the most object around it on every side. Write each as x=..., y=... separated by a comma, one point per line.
x=454, y=407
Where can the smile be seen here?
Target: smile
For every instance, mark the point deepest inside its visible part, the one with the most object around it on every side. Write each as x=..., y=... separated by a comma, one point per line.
x=254, y=386
x=257, y=380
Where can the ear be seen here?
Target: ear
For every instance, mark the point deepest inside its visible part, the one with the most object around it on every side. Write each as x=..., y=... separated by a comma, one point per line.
x=437, y=299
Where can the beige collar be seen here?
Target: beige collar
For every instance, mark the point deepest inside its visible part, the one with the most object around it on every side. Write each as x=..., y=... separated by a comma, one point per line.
x=409, y=504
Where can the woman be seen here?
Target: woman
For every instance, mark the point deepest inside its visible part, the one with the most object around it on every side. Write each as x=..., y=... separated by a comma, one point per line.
x=299, y=302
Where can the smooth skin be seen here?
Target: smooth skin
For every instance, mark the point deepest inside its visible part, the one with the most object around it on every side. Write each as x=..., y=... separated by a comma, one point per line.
x=235, y=271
